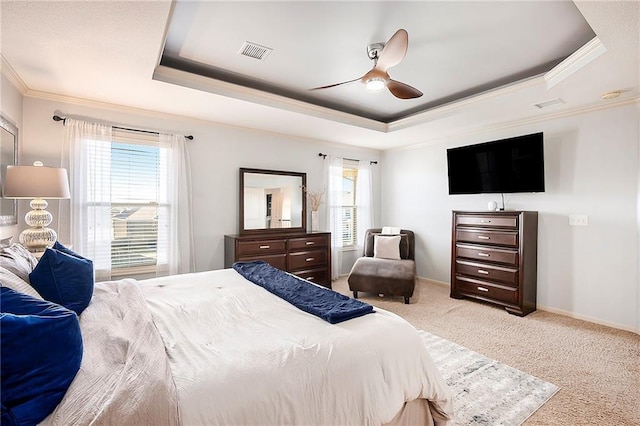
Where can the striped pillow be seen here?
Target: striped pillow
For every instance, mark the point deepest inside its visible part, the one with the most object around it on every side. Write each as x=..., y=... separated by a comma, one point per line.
x=18, y=260
x=12, y=281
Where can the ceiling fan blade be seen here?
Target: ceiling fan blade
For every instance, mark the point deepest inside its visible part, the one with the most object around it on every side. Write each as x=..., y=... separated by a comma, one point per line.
x=337, y=84
x=403, y=91
x=394, y=50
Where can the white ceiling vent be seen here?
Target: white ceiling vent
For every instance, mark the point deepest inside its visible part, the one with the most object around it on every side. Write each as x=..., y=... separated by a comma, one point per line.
x=552, y=102
x=255, y=51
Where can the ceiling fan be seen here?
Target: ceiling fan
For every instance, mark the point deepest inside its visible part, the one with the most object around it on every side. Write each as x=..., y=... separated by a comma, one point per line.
x=384, y=57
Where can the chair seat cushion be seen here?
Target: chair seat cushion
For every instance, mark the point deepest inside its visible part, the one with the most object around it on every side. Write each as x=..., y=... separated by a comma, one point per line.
x=392, y=277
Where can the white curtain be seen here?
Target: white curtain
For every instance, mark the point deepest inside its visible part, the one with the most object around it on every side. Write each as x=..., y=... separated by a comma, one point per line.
x=91, y=233
x=180, y=251
x=90, y=167
x=364, y=201
x=333, y=178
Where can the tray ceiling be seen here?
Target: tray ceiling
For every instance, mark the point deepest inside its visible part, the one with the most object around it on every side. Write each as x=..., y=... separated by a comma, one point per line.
x=456, y=49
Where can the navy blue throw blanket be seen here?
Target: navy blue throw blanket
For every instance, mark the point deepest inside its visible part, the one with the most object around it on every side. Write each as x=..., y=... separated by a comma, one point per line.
x=321, y=302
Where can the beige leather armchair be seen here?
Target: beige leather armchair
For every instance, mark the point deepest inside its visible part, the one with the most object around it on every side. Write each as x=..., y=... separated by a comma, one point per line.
x=392, y=277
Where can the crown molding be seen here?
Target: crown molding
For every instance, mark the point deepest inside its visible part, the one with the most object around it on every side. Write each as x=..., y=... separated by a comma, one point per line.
x=12, y=76
x=422, y=117
x=578, y=59
x=524, y=122
x=53, y=97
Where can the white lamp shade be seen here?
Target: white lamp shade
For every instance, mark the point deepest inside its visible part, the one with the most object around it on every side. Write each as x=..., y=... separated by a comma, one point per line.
x=36, y=182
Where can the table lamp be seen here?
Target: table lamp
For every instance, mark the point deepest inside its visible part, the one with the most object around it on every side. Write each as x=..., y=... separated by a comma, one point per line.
x=37, y=183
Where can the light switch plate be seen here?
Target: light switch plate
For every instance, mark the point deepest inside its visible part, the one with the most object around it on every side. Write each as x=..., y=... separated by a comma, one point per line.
x=578, y=220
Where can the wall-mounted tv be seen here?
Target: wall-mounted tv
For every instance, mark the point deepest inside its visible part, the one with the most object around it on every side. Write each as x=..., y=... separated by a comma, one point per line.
x=501, y=166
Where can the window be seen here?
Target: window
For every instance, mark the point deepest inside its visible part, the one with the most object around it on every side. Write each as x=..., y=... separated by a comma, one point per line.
x=128, y=176
x=130, y=200
x=138, y=172
x=349, y=208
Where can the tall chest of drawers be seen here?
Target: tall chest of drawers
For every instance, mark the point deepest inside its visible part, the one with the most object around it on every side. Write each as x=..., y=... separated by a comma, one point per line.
x=494, y=258
x=307, y=255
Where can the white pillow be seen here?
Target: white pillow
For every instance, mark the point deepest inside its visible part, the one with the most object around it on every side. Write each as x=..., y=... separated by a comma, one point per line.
x=386, y=247
x=12, y=281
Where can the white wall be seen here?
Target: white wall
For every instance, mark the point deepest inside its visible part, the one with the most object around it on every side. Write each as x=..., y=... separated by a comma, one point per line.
x=217, y=152
x=591, y=168
x=11, y=108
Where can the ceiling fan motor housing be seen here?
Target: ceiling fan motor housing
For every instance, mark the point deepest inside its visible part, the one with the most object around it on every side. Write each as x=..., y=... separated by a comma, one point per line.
x=374, y=49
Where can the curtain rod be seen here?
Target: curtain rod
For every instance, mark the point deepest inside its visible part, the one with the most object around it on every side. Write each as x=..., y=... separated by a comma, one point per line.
x=348, y=159
x=64, y=121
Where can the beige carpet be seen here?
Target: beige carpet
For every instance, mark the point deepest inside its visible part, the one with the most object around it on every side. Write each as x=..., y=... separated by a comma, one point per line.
x=597, y=368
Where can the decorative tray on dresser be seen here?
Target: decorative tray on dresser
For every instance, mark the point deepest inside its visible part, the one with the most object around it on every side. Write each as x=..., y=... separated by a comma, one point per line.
x=307, y=255
x=494, y=258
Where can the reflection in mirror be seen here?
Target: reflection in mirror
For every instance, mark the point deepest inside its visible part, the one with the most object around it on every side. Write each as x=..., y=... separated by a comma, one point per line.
x=271, y=201
x=8, y=156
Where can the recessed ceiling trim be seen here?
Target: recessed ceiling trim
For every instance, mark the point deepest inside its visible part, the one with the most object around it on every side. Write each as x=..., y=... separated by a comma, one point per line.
x=575, y=61
x=449, y=108
x=223, y=88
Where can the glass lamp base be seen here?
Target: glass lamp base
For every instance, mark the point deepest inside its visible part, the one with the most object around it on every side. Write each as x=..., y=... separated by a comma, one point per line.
x=38, y=239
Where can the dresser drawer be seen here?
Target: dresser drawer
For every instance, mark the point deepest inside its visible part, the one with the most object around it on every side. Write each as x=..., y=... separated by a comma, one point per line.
x=488, y=220
x=276, y=260
x=489, y=291
x=307, y=259
x=307, y=242
x=488, y=272
x=261, y=246
x=318, y=276
x=488, y=254
x=505, y=238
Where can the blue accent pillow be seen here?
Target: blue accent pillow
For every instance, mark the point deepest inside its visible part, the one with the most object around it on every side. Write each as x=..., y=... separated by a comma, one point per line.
x=63, y=278
x=60, y=247
x=41, y=352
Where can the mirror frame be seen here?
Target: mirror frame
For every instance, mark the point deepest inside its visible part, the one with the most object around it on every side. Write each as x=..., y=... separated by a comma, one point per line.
x=292, y=230
x=6, y=220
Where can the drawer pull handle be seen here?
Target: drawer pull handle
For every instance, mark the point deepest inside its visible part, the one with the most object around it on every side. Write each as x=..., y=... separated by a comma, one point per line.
x=485, y=221
x=483, y=254
x=482, y=271
x=310, y=278
x=310, y=243
x=265, y=247
x=483, y=289
x=310, y=259
x=483, y=237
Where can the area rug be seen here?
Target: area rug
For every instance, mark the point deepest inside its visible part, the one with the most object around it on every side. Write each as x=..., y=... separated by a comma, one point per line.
x=485, y=391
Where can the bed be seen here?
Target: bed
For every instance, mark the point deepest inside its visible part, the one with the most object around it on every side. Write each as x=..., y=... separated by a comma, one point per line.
x=214, y=348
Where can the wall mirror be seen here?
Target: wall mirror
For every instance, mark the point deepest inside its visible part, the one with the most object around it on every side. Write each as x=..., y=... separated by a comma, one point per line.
x=8, y=156
x=272, y=201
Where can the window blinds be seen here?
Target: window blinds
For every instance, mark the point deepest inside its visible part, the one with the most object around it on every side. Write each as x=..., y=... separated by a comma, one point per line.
x=130, y=175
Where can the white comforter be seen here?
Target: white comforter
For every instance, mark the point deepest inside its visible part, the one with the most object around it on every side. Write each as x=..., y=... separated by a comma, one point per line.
x=239, y=355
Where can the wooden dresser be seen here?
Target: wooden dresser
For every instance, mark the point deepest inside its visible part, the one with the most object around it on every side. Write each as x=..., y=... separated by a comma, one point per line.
x=494, y=258
x=307, y=255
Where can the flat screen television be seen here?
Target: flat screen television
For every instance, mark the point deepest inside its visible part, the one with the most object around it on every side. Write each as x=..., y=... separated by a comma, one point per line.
x=501, y=166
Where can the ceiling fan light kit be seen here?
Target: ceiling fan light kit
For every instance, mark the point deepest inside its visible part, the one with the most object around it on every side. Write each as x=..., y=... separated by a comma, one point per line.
x=385, y=56
x=375, y=84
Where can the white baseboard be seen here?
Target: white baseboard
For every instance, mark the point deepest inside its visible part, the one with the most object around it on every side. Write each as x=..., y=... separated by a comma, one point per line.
x=588, y=319
x=429, y=280
x=557, y=311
